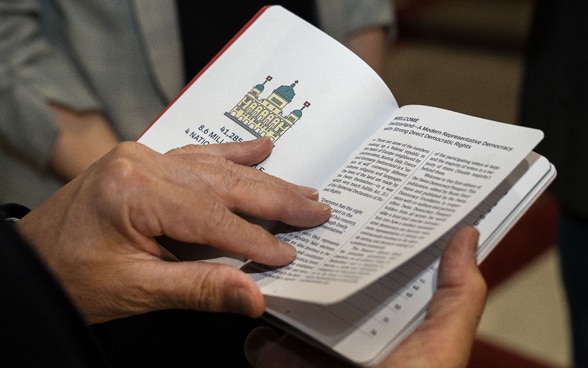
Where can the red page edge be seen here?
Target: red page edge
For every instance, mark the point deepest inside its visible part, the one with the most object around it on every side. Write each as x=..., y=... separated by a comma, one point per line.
x=227, y=45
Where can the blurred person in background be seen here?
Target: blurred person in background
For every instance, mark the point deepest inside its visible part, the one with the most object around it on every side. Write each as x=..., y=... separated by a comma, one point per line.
x=76, y=77
x=555, y=100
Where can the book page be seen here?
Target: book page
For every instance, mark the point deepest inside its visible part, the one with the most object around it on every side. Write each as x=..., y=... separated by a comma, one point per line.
x=412, y=182
x=397, y=179
x=366, y=326
x=282, y=78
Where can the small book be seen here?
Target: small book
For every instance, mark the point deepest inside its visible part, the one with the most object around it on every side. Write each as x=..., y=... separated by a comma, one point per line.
x=400, y=179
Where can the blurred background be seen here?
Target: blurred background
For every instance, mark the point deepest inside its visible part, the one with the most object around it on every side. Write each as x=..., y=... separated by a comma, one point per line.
x=466, y=55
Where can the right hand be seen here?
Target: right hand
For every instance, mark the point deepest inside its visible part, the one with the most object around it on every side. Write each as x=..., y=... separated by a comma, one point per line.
x=98, y=233
x=443, y=339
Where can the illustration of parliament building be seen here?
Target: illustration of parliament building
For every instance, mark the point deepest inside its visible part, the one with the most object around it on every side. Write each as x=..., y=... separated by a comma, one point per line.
x=264, y=117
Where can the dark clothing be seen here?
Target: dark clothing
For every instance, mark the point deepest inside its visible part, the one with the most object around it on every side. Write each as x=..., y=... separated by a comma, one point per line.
x=41, y=327
x=39, y=324
x=573, y=250
x=555, y=95
x=176, y=338
x=205, y=33
x=555, y=100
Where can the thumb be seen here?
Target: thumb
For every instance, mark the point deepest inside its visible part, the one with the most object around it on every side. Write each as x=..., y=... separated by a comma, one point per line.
x=203, y=286
x=447, y=333
x=258, y=340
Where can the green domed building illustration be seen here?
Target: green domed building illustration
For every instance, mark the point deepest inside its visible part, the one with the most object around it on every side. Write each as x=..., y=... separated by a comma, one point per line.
x=264, y=117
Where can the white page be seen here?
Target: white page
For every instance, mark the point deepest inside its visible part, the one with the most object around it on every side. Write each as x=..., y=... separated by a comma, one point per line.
x=365, y=327
x=348, y=100
x=318, y=274
x=348, y=103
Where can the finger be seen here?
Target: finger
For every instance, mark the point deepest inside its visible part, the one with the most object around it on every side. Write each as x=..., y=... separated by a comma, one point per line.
x=258, y=340
x=447, y=333
x=202, y=286
x=461, y=294
x=243, y=153
x=195, y=205
x=459, y=257
x=201, y=219
x=457, y=306
x=248, y=191
x=270, y=198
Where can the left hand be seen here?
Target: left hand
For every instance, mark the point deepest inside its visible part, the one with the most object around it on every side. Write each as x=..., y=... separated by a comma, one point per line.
x=444, y=339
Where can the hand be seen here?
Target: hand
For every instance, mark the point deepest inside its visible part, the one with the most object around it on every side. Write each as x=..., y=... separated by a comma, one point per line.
x=98, y=233
x=444, y=339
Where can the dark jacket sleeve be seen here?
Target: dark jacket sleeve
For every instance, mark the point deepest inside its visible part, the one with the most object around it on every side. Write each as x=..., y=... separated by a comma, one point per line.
x=38, y=323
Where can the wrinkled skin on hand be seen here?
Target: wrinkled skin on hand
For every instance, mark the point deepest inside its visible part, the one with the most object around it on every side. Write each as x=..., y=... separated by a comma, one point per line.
x=98, y=233
x=444, y=339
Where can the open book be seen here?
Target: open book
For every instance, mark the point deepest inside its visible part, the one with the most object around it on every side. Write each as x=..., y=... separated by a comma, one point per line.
x=399, y=179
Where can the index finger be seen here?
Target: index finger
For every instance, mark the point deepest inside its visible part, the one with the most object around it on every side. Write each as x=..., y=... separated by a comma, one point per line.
x=243, y=153
x=199, y=196
x=246, y=153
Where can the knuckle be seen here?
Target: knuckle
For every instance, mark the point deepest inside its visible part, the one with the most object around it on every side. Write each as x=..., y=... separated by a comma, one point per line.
x=119, y=175
x=219, y=217
x=208, y=290
x=189, y=149
x=122, y=177
x=121, y=170
x=233, y=176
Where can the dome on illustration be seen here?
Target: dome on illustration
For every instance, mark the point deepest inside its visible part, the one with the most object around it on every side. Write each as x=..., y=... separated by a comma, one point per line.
x=297, y=112
x=286, y=92
x=259, y=87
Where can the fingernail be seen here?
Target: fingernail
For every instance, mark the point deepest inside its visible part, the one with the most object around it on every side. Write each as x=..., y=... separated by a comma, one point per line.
x=473, y=239
x=324, y=206
x=263, y=140
x=309, y=192
x=288, y=251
